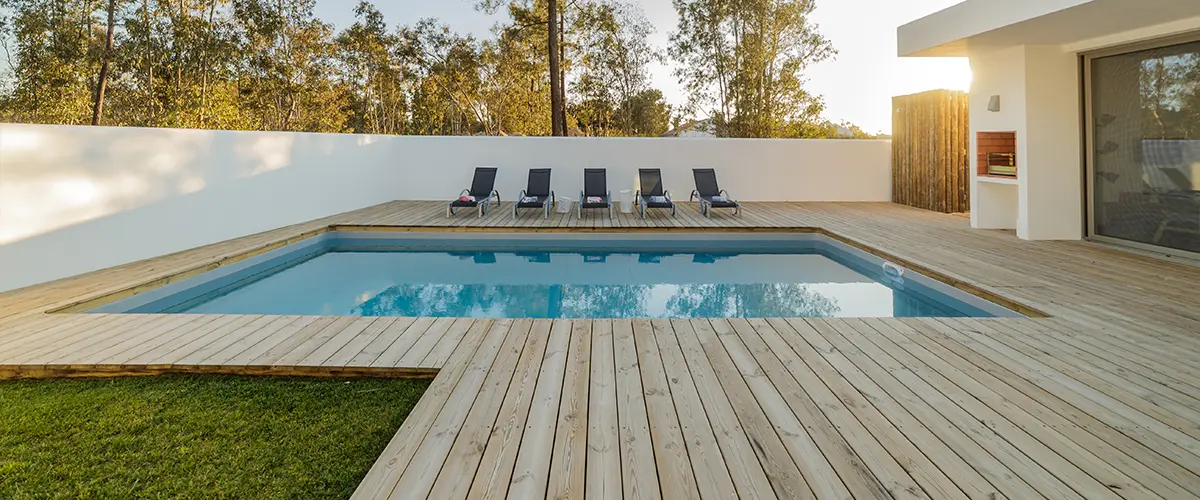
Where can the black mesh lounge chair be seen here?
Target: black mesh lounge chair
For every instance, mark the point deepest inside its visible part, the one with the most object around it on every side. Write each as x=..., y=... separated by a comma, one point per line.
x=595, y=185
x=652, y=194
x=537, y=194
x=707, y=190
x=482, y=189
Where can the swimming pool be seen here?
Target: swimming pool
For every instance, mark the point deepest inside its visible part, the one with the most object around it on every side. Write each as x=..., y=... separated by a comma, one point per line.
x=567, y=275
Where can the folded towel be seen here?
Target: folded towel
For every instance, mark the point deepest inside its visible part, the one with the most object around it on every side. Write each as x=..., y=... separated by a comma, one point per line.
x=658, y=199
x=718, y=198
x=529, y=199
x=466, y=197
x=595, y=199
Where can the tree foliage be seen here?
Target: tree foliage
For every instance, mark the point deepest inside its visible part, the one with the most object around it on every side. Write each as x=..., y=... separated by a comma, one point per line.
x=274, y=65
x=743, y=61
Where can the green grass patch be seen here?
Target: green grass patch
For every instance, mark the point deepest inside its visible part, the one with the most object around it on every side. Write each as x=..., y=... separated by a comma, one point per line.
x=196, y=436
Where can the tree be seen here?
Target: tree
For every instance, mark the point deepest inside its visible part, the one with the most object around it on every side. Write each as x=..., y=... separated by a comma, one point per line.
x=273, y=65
x=377, y=78
x=745, y=60
x=47, y=44
x=554, y=18
x=106, y=60
x=644, y=114
x=286, y=80
x=615, y=54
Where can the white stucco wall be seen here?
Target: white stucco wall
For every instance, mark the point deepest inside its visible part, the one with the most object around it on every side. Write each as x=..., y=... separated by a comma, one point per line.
x=77, y=199
x=1039, y=101
x=1002, y=73
x=1052, y=187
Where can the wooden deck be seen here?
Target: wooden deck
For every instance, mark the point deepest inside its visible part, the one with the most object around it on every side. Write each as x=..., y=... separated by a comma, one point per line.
x=1100, y=400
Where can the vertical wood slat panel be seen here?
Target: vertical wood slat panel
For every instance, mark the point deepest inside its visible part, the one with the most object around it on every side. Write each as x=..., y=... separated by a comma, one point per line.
x=930, y=145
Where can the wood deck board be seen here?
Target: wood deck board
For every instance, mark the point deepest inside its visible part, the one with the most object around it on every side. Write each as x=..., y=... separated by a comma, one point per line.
x=1101, y=400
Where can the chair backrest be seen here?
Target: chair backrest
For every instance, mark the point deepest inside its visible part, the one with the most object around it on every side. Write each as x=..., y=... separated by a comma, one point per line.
x=484, y=182
x=539, y=182
x=595, y=182
x=706, y=181
x=651, y=181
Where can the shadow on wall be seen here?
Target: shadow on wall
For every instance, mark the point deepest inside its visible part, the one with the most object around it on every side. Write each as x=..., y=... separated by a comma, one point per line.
x=75, y=199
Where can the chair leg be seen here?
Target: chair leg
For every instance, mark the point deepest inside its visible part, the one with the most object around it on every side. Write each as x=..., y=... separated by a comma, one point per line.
x=449, y=211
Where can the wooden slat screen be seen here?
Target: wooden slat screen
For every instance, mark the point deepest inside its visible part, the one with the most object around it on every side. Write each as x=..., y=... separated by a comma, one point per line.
x=930, y=149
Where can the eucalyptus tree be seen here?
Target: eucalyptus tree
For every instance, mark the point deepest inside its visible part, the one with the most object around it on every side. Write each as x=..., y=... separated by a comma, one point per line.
x=376, y=76
x=286, y=75
x=48, y=45
x=614, y=58
x=744, y=62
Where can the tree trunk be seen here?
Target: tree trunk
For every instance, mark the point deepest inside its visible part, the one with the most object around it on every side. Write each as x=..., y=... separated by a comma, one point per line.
x=562, y=70
x=150, y=97
x=212, y=10
x=102, y=83
x=556, y=104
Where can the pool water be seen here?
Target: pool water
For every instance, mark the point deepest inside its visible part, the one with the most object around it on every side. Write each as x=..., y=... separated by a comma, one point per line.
x=376, y=277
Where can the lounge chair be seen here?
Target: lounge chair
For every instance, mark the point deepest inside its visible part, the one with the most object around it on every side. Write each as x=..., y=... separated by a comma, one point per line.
x=710, y=195
x=481, y=193
x=595, y=185
x=537, y=194
x=652, y=194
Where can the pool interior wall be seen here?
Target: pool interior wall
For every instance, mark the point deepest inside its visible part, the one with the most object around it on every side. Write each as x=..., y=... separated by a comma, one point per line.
x=932, y=297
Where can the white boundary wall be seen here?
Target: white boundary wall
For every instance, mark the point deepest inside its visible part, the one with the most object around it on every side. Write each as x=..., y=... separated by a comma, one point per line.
x=78, y=199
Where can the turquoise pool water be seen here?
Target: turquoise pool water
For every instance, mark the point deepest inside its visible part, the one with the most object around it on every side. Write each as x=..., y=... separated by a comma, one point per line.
x=577, y=278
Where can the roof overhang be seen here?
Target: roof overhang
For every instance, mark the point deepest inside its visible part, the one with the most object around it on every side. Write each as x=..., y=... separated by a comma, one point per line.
x=995, y=24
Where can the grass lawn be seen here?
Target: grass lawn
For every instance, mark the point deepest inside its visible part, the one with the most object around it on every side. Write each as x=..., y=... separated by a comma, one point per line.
x=195, y=436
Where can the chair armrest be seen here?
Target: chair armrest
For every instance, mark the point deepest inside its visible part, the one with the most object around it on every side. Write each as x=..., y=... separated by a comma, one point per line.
x=465, y=191
x=496, y=193
x=520, y=196
x=551, y=196
x=668, y=195
x=694, y=195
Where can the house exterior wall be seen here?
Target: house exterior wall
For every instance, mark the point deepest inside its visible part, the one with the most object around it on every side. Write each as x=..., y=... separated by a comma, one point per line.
x=1002, y=73
x=1040, y=89
x=77, y=199
x=1052, y=187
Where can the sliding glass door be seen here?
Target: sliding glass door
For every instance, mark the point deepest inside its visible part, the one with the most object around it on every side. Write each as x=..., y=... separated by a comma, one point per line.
x=1144, y=146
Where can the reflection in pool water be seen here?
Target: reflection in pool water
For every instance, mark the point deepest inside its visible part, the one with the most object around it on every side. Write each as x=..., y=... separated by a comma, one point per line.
x=600, y=301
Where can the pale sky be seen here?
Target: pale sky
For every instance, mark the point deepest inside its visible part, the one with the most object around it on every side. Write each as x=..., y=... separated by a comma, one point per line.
x=857, y=85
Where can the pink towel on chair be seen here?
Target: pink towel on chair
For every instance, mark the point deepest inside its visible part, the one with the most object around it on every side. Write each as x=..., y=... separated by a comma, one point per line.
x=595, y=199
x=466, y=198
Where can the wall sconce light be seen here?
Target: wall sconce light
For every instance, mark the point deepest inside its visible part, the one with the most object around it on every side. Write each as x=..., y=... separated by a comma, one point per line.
x=994, y=103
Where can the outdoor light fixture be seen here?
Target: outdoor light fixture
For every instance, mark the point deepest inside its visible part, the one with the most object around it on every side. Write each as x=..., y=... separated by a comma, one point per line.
x=994, y=103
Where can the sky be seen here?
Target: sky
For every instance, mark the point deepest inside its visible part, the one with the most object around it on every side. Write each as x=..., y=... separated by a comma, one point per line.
x=857, y=85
